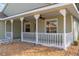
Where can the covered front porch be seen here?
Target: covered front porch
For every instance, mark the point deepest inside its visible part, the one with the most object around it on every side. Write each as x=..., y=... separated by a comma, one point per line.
x=52, y=28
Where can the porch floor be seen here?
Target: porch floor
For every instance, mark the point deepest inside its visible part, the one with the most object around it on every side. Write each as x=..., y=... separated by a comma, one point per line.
x=30, y=49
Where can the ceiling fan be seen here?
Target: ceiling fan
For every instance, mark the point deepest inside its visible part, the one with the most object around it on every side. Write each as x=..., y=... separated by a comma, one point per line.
x=41, y=17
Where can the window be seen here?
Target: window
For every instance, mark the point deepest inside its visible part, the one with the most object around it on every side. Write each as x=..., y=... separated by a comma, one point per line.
x=27, y=27
x=51, y=26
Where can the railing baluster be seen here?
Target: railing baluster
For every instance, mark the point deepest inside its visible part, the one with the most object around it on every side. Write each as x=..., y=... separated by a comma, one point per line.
x=58, y=39
x=51, y=38
x=55, y=39
x=48, y=38
x=41, y=38
x=61, y=39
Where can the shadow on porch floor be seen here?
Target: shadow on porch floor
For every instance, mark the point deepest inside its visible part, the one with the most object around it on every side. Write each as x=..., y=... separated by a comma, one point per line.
x=30, y=49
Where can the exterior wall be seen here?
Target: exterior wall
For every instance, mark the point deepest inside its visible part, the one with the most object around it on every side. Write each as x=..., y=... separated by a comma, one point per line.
x=32, y=24
x=60, y=24
x=68, y=23
x=16, y=29
x=76, y=33
x=2, y=29
x=41, y=24
x=8, y=26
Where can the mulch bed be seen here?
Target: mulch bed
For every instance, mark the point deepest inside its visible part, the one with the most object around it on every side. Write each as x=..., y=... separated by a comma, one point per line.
x=29, y=49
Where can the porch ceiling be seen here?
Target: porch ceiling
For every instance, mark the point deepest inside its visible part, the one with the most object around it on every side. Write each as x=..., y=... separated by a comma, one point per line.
x=47, y=15
x=44, y=15
x=49, y=9
x=50, y=14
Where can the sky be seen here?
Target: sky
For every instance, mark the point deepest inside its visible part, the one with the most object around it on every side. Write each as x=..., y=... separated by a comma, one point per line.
x=2, y=5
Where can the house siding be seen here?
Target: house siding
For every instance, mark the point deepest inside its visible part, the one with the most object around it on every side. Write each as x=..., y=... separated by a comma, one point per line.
x=8, y=26
x=2, y=29
x=60, y=24
x=41, y=24
x=68, y=23
x=16, y=29
x=32, y=24
x=76, y=26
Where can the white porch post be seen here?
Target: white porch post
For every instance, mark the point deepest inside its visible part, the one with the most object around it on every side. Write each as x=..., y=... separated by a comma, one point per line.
x=5, y=29
x=11, y=29
x=36, y=18
x=21, y=28
x=72, y=24
x=63, y=12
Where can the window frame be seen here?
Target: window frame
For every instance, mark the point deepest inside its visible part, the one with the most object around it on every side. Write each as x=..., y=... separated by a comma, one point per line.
x=46, y=20
x=25, y=26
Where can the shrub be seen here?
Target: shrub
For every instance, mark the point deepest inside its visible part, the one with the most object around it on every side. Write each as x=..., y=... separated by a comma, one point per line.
x=75, y=43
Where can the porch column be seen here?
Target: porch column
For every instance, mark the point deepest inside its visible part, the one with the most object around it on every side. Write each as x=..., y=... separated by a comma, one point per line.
x=5, y=29
x=11, y=29
x=21, y=28
x=63, y=12
x=36, y=18
x=72, y=24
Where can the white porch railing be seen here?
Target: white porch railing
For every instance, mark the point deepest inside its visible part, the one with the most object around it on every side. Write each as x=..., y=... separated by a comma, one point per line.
x=69, y=38
x=29, y=37
x=51, y=39
x=48, y=39
x=8, y=36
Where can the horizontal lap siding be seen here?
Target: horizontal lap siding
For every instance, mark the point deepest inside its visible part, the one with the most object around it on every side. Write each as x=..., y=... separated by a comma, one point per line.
x=32, y=24
x=68, y=23
x=8, y=26
x=2, y=29
x=17, y=29
x=41, y=24
x=76, y=29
